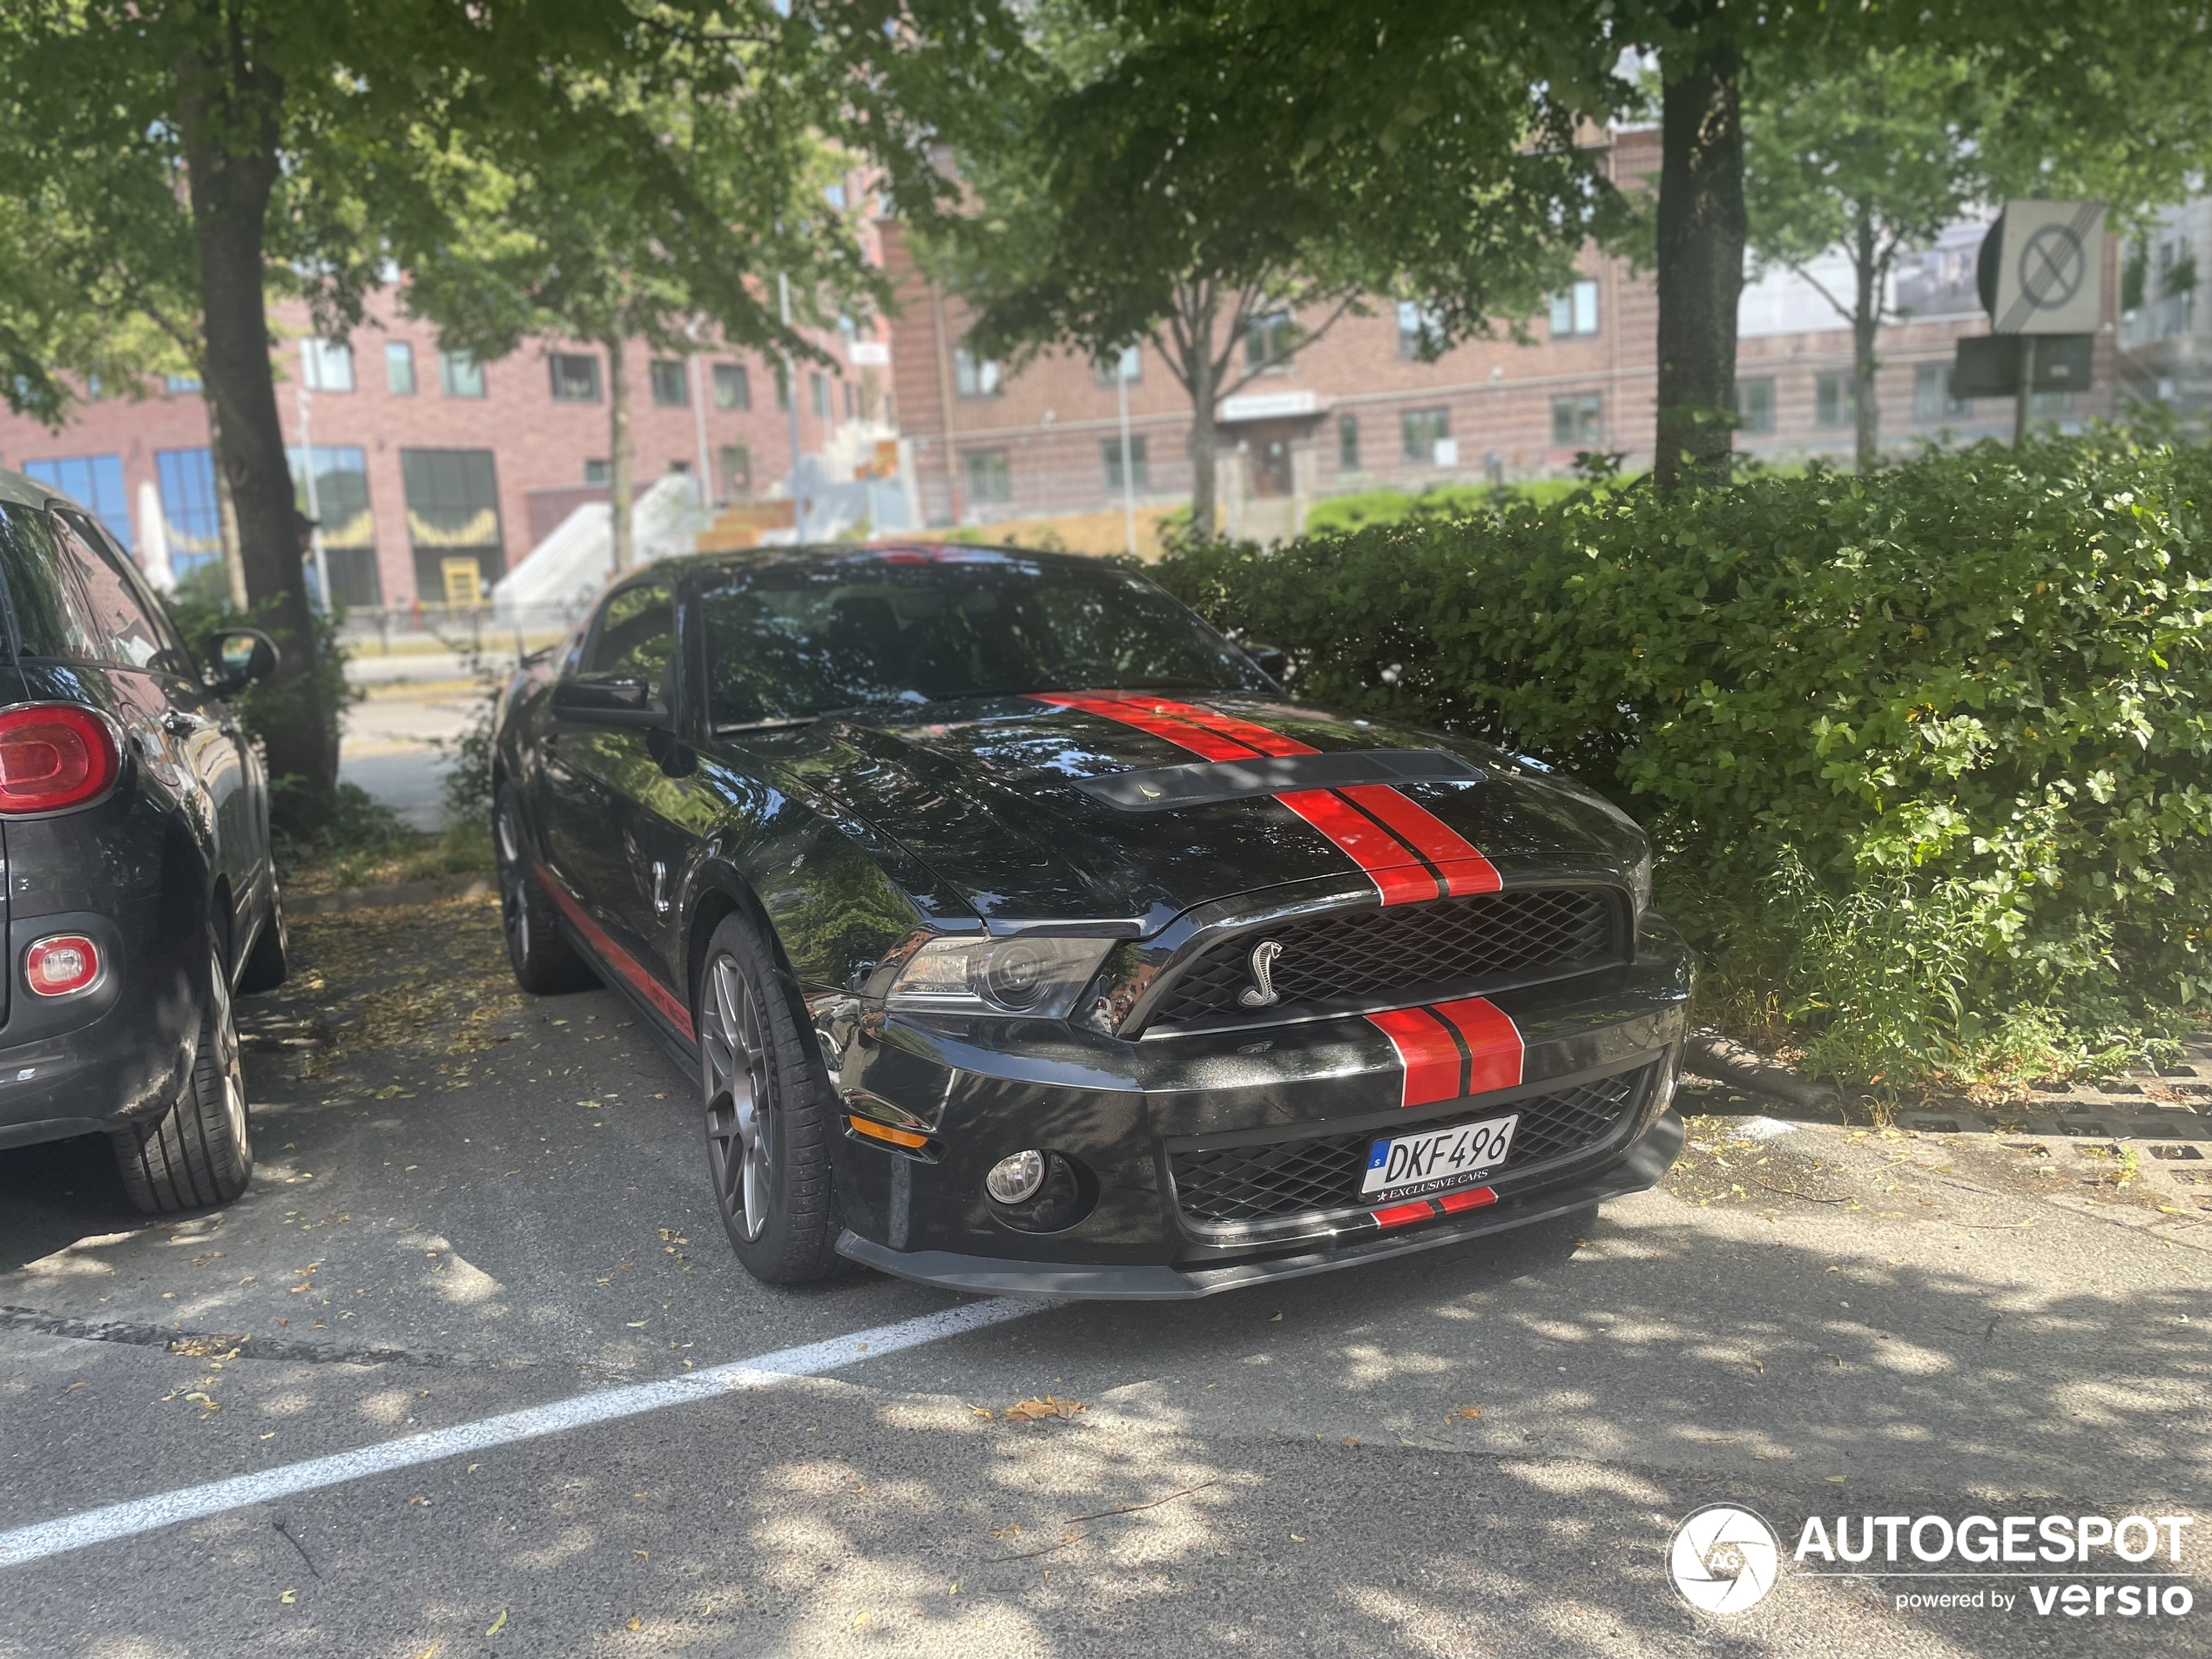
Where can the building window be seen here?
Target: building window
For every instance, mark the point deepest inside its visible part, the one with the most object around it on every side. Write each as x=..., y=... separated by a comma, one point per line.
x=460, y=375
x=1576, y=421
x=1128, y=365
x=179, y=384
x=1933, y=398
x=975, y=376
x=818, y=392
x=1270, y=340
x=1347, y=444
x=92, y=481
x=342, y=503
x=734, y=463
x=576, y=376
x=1755, y=405
x=1575, y=310
x=598, y=472
x=988, y=479
x=671, y=386
x=452, y=523
x=1140, y=476
x=327, y=365
x=1424, y=432
x=399, y=368
x=1419, y=335
x=1835, y=401
x=190, y=510
x=732, y=387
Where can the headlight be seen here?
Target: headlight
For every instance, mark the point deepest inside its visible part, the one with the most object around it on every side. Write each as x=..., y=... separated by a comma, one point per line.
x=1639, y=881
x=1023, y=974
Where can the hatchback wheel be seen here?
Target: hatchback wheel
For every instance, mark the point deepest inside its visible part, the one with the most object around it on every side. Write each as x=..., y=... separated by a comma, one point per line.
x=200, y=1151
x=544, y=962
x=768, y=1114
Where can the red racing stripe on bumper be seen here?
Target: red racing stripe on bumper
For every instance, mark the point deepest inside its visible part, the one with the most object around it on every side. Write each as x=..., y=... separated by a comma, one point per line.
x=616, y=958
x=1432, y=1060
x=1450, y=1204
x=1494, y=1049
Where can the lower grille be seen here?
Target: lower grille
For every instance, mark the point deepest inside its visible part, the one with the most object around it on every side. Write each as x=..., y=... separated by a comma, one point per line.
x=1238, y=1185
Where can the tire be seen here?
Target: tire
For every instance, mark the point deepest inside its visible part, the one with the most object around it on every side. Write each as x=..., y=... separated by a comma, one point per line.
x=200, y=1151
x=545, y=963
x=269, y=964
x=769, y=1114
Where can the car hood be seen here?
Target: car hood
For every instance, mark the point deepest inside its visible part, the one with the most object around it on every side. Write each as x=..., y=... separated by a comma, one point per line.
x=1013, y=801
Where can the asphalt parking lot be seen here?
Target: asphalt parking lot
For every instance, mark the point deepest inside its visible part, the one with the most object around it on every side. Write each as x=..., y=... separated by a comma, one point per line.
x=471, y=1204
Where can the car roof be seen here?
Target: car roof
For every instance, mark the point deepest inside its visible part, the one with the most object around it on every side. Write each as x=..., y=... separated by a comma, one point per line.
x=917, y=552
x=26, y=492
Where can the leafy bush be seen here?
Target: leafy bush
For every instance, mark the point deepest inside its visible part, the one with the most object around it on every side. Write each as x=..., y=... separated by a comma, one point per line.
x=1925, y=753
x=1365, y=507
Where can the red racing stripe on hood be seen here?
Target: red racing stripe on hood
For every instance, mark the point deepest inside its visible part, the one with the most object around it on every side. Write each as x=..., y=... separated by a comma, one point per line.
x=1464, y=869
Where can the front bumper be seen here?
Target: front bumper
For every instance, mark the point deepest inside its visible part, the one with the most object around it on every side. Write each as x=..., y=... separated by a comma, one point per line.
x=1646, y=1159
x=1147, y=1126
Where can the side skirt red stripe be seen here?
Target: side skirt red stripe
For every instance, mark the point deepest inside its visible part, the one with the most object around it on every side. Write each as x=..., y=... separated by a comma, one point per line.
x=620, y=960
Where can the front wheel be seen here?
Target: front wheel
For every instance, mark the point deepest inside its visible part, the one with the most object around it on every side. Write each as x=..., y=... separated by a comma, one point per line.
x=769, y=1114
x=200, y=1151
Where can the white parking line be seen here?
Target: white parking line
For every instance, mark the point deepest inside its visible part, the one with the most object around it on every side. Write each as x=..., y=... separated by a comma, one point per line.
x=764, y=1371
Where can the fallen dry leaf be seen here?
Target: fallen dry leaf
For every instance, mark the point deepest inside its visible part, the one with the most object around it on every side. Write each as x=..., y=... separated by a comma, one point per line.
x=1468, y=1412
x=983, y=1412
x=498, y=1624
x=1036, y=1411
x=289, y=1597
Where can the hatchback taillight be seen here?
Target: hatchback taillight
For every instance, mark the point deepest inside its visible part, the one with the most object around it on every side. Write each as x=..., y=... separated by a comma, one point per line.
x=54, y=755
x=61, y=963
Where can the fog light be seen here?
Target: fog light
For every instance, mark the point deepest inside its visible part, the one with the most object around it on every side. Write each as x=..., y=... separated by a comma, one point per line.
x=61, y=963
x=1015, y=1180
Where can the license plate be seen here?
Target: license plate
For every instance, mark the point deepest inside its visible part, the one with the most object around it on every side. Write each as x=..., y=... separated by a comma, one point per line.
x=1404, y=1166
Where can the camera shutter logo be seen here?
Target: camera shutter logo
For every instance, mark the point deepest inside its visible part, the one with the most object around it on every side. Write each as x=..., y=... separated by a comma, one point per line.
x=1725, y=1559
x=1263, y=992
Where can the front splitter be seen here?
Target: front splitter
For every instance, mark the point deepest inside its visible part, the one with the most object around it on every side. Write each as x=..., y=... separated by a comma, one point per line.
x=1639, y=1167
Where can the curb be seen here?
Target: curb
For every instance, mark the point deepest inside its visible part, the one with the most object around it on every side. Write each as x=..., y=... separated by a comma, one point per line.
x=1715, y=1056
x=388, y=894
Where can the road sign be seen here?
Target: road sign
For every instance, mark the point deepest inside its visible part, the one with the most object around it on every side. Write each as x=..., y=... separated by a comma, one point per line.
x=2042, y=268
x=1989, y=364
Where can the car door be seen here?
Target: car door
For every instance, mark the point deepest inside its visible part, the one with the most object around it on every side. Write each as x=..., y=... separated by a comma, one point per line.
x=166, y=712
x=592, y=768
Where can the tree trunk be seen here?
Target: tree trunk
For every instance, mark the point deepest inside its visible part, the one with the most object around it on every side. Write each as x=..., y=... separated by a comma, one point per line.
x=226, y=511
x=619, y=484
x=1702, y=229
x=1866, y=317
x=227, y=117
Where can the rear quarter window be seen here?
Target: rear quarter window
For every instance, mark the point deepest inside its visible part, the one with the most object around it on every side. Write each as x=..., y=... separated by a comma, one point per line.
x=49, y=611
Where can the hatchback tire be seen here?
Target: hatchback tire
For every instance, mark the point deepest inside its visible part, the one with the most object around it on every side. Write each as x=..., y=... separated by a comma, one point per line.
x=769, y=1112
x=545, y=963
x=200, y=1151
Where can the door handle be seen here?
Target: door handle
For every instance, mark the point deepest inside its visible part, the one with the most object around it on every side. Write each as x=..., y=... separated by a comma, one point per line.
x=178, y=724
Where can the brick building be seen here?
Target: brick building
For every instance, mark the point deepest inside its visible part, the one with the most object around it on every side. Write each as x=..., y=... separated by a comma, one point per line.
x=427, y=463
x=1356, y=408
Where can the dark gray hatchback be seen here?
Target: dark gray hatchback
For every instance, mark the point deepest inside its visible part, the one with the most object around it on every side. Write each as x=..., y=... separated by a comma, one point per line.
x=134, y=832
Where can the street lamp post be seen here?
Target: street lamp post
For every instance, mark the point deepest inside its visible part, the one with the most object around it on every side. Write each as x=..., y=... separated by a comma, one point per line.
x=307, y=465
x=1129, y=478
x=791, y=402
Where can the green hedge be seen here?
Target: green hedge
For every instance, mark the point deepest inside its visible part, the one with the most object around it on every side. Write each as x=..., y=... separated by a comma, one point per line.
x=1925, y=753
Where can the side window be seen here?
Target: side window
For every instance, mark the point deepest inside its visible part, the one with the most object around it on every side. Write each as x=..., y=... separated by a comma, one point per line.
x=636, y=637
x=122, y=632
x=175, y=657
x=50, y=612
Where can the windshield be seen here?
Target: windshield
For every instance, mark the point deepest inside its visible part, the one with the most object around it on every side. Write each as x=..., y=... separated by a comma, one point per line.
x=788, y=640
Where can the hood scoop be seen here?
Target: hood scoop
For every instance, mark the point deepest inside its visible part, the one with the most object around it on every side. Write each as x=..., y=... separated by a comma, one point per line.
x=1159, y=789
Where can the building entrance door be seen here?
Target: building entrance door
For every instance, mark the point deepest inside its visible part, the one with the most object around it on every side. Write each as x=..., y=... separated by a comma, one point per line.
x=1268, y=445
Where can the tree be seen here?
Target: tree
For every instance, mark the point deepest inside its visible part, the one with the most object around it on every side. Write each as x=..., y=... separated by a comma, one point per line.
x=1891, y=151
x=554, y=245
x=1185, y=175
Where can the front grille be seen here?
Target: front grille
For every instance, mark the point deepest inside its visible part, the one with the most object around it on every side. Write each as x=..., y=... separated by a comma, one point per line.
x=1363, y=956
x=1239, y=1185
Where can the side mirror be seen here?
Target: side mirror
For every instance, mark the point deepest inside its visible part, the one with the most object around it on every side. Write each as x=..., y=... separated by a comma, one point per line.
x=1273, y=661
x=237, y=657
x=608, y=701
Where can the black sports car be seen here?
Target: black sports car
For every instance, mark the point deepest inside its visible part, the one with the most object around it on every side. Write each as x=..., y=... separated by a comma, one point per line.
x=139, y=890
x=1025, y=936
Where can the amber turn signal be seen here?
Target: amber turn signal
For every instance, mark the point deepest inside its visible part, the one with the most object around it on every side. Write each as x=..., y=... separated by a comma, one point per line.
x=876, y=1131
